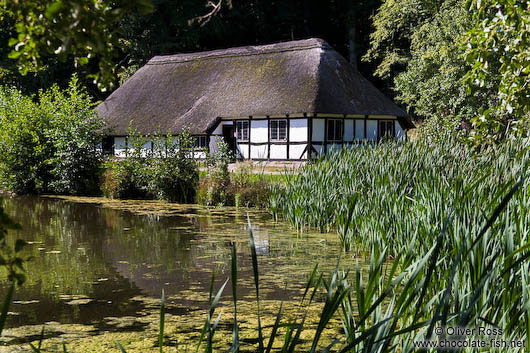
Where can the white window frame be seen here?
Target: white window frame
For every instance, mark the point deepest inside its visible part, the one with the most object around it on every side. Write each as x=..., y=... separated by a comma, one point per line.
x=277, y=128
x=240, y=130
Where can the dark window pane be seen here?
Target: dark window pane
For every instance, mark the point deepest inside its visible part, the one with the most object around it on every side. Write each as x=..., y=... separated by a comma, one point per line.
x=331, y=128
x=282, y=134
x=242, y=130
x=338, y=130
x=274, y=130
x=278, y=130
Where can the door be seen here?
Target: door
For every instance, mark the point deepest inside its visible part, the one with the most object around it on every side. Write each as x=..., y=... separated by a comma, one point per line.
x=230, y=139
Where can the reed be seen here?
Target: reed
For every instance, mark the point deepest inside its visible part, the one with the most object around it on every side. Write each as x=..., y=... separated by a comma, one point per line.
x=460, y=218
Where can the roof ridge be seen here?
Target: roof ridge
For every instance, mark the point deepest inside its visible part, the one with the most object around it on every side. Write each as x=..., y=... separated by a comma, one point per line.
x=297, y=45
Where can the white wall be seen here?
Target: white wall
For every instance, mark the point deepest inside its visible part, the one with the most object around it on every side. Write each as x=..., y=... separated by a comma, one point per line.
x=278, y=152
x=295, y=151
x=371, y=130
x=243, y=148
x=318, y=129
x=259, y=131
x=359, y=130
x=258, y=152
x=298, y=130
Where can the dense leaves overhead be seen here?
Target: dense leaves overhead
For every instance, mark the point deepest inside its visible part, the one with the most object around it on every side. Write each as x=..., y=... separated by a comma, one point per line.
x=499, y=51
x=111, y=39
x=84, y=29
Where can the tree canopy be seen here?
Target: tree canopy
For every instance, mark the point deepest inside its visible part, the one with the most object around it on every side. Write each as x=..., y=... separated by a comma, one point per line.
x=462, y=60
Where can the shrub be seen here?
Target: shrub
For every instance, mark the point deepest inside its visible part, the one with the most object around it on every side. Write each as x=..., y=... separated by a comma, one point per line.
x=166, y=172
x=214, y=189
x=50, y=143
x=250, y=189
x=76, y=135
x=24, y=146
x=129, y=178
x=174, y=172
x=243, y=187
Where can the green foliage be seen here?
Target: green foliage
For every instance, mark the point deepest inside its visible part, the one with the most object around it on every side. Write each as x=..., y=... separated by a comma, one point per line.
x=418, y=44
x=24, y=146
x=165, y=171
x=86, y=29
x=250, y=186
x=394, y=26
x=214, y=189
x=76, y=135
x=464, y=212
x=431, y=83
x=174, y=171
x=244, y=186
x=498, y=51
x=129, y=178
x=49, y=143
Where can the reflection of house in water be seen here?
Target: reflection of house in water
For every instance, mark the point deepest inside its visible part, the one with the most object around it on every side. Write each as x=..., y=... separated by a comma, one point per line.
x=261, y=241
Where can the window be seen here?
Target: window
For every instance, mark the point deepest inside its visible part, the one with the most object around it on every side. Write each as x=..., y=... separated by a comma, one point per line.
x=200, y=142
x=386, y=129
x=242, y=130
x=335, y=130
x=278, y=130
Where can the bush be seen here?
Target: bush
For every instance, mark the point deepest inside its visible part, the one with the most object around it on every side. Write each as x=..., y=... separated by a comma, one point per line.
x=249, y=188
x=174, y=172
x=168, y=172
x=214, y=189
x=243, y=188
x=76, y=135
x=129, y=178
x=50, y=143
x=24, y=146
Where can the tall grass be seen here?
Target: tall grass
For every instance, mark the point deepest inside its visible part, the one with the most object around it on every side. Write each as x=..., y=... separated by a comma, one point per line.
x=463, y=215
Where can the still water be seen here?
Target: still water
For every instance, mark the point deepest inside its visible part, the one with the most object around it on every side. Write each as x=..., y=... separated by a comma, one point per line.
x=96, y=262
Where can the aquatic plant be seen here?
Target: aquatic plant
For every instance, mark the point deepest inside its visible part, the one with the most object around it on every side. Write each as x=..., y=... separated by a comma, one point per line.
x=440, y=202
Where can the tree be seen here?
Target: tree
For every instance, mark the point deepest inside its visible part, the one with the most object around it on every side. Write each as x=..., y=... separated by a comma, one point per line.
x=49, y=143
x=426, y=60
x=86, y=29
x=499, y=51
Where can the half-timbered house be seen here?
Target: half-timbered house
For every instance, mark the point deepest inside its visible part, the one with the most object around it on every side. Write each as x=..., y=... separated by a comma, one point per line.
x=285, y=101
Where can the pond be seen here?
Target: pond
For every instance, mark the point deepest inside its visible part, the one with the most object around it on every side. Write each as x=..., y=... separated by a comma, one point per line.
x=99, y=268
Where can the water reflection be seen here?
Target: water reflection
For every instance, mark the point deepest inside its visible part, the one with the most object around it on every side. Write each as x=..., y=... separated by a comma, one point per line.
x=91, y=262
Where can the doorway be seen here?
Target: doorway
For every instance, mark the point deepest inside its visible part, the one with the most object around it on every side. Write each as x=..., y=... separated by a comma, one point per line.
x=228, y=136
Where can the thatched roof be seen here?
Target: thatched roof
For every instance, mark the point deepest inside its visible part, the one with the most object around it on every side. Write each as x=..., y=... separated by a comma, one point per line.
x=194, y=90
